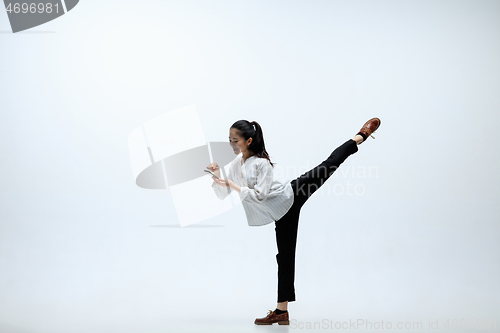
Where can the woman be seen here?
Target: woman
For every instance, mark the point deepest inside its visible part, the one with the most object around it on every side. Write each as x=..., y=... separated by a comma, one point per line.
x=267, y=200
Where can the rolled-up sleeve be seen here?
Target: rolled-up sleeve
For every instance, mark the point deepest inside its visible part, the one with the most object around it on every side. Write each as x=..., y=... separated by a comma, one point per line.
x=260, y=191
x=220, y=191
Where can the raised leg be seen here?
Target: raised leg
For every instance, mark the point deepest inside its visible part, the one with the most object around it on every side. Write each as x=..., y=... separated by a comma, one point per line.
x=309, y=182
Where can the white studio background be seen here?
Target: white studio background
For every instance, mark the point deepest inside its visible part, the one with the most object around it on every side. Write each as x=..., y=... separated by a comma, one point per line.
x=83, y=249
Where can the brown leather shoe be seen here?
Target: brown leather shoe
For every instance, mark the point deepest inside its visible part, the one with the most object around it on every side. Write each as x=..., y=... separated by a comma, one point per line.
x=272, y=318
x=369, y=127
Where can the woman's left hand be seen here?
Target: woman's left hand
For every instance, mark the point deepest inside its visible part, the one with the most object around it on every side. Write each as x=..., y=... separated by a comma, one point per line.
x=226, y=183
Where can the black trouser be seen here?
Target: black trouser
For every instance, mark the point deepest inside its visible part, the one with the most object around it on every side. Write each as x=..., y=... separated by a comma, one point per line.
x=286, y=227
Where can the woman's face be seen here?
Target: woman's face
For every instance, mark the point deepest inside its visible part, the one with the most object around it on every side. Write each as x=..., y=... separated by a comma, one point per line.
x=237, y=142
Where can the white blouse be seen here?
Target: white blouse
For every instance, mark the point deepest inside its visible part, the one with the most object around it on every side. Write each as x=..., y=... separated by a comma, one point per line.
x=264, y=198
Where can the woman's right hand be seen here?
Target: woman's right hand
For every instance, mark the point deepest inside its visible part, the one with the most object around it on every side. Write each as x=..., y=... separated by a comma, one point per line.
x=214, y=167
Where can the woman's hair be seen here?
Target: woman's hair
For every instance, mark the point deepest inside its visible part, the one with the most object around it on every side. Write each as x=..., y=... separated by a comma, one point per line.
x=247, y=131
